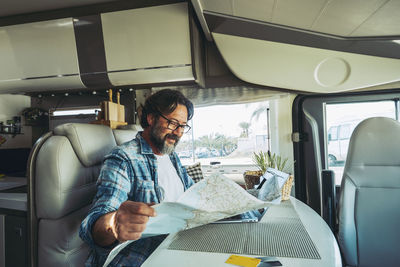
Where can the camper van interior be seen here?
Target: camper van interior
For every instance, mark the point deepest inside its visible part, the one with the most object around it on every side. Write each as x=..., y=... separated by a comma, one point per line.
x=314, y=83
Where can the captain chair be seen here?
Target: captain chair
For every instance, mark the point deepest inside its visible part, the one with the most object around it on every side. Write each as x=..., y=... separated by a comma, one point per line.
x=63, y=170
x=369, y=213
x=126, y=133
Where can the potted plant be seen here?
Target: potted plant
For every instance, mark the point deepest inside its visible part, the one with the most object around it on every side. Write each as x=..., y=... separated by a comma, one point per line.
x=265, y=160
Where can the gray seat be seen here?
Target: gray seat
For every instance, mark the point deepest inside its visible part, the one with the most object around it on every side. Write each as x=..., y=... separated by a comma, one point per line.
x=126, y=133
x=369, y=214
x=63, y=170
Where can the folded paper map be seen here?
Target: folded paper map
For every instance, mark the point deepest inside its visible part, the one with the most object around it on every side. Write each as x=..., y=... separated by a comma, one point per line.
x=272, y=187
x=209, y=200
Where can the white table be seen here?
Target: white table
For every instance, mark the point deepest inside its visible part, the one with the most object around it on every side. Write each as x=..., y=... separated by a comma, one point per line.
x=316, y=227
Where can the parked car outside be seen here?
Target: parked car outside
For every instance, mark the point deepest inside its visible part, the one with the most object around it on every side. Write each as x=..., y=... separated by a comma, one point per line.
x=185, y=154
x=338, y=141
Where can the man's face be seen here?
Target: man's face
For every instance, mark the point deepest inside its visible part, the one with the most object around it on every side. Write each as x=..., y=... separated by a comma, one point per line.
x=163, y=138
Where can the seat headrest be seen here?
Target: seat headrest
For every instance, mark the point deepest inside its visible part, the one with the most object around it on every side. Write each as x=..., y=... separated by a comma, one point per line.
x=375, y=141
x=133, y=127
x=372, y=158
x=126, y=133
x=89, y=141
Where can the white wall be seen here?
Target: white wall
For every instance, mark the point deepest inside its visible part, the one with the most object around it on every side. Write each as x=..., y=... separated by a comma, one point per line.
x=281, y=127
x=10, y=106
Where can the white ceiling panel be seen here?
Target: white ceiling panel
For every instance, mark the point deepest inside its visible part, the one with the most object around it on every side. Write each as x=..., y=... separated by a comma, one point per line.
x=342, y=17
x=299, y=14
x=386, y=21
x=220, y=6
x=347, y=18
x=255, y=9
x=338, y=17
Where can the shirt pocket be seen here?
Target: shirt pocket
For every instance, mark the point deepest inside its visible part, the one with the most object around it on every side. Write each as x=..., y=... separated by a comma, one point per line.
x=145, y=191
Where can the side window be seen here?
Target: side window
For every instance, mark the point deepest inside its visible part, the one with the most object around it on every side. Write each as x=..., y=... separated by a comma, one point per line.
x=315, y=117
x=345, y=132
x=341, y=119
x=227, y=134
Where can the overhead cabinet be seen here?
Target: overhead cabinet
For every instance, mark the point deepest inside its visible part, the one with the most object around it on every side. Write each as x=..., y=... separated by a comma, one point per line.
x=149, y=45
x=38, y=56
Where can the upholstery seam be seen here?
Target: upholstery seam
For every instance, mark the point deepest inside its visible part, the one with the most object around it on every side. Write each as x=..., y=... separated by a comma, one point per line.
x=78, y=140
x=355, y=224
x=378, y=187
x=58, y=168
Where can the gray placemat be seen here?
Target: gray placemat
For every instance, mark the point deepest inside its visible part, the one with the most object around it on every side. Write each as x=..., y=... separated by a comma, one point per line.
x=281, y=237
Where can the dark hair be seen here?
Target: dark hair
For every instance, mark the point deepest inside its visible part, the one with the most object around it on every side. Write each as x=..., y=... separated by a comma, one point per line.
x=165, y=102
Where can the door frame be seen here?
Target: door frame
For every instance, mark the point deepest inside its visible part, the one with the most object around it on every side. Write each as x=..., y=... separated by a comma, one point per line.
x=310, y=147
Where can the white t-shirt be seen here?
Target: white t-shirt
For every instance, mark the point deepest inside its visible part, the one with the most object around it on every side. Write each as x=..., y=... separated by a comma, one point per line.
x=168, y=179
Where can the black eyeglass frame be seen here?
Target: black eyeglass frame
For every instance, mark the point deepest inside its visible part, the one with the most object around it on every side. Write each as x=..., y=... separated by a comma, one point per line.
x=186, y=128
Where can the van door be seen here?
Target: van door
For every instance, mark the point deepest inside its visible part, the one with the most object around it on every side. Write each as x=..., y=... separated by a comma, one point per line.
x=325, y=123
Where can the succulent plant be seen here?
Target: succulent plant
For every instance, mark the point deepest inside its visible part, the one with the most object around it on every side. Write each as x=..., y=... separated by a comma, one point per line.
x=265, y=160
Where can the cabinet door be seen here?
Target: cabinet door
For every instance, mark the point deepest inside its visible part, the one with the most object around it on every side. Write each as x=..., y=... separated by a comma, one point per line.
x=148, y=45
x=15, y=238
x=2, y=245
x=39, y=55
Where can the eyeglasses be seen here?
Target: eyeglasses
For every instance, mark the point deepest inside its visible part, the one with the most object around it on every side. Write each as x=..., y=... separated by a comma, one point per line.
x=173, y=125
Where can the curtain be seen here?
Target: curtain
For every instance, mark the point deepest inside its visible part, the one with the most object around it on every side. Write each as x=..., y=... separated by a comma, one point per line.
x=202, y=97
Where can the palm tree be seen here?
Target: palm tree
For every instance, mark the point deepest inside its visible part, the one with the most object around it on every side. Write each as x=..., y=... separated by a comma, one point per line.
x=245, y=128
x=205, y=141
x=226, y=144
x=262, y=107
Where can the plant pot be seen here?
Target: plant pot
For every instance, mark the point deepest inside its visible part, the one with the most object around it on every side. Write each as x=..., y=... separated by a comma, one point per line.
x=251, y=178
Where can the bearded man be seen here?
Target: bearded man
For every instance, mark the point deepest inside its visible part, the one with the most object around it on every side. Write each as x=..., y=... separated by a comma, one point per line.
x=138, y=173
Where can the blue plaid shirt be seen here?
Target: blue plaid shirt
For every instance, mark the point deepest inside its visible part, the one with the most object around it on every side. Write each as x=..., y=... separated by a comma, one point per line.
x=129, y=172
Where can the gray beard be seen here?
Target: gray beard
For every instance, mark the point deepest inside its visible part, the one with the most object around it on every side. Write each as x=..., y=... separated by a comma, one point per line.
x=160, y=143
x=167, y=149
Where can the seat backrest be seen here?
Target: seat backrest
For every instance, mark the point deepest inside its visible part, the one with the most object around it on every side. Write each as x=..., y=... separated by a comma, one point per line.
x=126, y=133
x=369, y=214
x=63, y=169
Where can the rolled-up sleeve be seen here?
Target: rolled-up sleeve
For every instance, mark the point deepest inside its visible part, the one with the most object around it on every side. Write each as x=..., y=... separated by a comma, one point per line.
x=113, y=187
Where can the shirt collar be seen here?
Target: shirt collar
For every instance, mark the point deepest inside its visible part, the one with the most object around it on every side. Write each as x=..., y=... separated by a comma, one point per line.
x=145, y=148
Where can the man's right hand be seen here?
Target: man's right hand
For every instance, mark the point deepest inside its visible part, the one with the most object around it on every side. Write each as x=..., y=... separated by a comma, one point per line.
x=130, y=220
x=127, y=223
